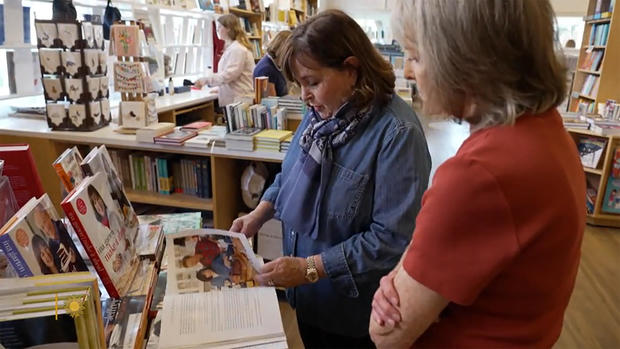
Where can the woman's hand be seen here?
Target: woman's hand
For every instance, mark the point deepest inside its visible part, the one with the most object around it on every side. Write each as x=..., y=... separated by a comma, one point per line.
x=251, y=222
x=283, y=272
x=385, y=303
x=201, y=82
x=248, y=224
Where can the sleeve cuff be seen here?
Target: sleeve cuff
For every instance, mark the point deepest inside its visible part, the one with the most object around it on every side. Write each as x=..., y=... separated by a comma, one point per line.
x=271, y=194
x=337, y=269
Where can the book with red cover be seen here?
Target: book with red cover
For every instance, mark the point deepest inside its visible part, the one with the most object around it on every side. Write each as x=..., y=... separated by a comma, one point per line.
x=197, y=126
x=19, y=166
x=98, y=223
x=176, y=137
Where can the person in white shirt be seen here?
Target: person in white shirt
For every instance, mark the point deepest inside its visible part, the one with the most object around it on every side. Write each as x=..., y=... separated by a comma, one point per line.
x=234, y=76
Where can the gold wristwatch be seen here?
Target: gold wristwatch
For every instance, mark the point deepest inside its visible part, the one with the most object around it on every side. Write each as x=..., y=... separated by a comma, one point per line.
x=312, y=275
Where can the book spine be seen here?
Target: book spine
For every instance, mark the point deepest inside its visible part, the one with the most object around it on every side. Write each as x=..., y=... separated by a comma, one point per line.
x=198, y=173
x=15, y=258
x=90, y=249
x=132, y=171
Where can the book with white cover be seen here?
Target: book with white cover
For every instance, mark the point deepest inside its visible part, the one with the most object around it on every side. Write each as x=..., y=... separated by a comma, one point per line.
x=98, y=222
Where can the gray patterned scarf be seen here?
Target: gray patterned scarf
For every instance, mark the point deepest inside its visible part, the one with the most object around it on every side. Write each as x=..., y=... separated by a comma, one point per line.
x=302, y=192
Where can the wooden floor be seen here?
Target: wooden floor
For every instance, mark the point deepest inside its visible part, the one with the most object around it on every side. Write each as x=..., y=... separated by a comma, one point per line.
x=593, y=316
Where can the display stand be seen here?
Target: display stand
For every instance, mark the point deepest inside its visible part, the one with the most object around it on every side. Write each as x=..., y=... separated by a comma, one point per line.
x=131, y=77
x=73, y=71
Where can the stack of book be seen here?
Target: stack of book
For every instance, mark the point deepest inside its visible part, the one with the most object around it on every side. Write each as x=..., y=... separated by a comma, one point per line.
x=286, y=143
x=51, y=311
x=270, y=140
x=293, y=105
x=212, y=137
x=241, y=139
x=175, y=137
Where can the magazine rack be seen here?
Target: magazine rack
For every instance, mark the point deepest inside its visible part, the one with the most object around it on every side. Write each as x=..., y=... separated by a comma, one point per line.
x=73, y=71
x=131, y=76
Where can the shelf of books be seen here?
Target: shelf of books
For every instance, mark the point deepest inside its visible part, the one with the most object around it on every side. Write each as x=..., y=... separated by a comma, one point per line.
x=597, y=77
x=250, y=15
x=600, y=157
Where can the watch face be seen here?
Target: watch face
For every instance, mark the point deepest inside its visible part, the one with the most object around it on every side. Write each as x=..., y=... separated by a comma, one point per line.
x=312, y=275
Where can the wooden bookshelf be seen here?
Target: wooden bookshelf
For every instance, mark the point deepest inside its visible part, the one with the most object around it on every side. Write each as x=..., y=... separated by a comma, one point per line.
x=174, y=200
x=599, y=176
x=593, y=86
x=256, y=21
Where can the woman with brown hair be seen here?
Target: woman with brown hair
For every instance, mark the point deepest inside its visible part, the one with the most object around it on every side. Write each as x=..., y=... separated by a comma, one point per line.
x=351, y=180
x=496, y=246
x=234, y=70
x=269, y=65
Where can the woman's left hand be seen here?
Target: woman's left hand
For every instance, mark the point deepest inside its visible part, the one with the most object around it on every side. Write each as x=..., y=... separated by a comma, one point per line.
x=283, y=272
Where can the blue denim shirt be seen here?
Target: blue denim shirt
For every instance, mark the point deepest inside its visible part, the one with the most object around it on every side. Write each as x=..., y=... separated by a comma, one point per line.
x=368, y=215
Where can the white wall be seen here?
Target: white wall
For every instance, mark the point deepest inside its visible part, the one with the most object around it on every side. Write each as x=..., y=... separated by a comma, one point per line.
x=576, y=8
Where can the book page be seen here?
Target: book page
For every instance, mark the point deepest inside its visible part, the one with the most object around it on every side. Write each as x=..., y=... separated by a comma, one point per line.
x=204, y=259
x=219, y=317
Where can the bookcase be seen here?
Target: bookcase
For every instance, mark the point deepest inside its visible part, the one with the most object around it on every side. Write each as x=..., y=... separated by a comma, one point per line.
x=599, y=200
x=252, y=23
x=598, y=72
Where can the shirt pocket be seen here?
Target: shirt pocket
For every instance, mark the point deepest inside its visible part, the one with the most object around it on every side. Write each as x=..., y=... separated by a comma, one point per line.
x=344, y=193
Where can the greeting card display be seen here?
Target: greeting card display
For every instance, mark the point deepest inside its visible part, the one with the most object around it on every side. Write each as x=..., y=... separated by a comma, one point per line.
x=131, y=76
x=73, y=67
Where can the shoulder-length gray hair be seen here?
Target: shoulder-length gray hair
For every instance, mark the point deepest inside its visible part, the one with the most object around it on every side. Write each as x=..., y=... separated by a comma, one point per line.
x=497, y=54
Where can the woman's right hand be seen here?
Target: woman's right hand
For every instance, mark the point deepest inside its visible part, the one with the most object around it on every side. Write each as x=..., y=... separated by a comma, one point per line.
x=251, y=222
x=248, y=224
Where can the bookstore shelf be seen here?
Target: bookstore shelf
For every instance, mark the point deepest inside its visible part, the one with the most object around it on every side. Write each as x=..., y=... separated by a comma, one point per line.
x=241, y=12
x=595, y=171
x=587, y=97
x=174, y=200
x=601, y=175
x=596, y=21
x=598, y=79
x=589, y=71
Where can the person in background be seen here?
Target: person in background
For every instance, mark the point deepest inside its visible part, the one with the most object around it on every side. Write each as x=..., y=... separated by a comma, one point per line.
x=350, y=182
x=496, y=246
x=234, y=70
x=268, y=65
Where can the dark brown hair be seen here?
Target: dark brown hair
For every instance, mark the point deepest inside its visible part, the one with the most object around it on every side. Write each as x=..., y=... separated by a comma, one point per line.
x=329, y=38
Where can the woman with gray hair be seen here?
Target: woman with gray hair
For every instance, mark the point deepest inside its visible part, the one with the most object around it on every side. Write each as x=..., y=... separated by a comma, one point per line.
x=496, y=246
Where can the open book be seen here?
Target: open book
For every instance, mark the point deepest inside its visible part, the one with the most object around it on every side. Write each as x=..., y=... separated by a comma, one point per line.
x=210, y=299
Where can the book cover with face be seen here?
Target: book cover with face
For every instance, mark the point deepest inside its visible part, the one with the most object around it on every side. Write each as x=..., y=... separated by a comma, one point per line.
x=102, y=224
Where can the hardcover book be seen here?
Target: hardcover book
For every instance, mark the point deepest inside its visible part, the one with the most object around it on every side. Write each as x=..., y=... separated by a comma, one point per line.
x=98, y=222
x=68, y=168
x=37, y=242
x=19, y=166
x=99, y=160
x=175, y=137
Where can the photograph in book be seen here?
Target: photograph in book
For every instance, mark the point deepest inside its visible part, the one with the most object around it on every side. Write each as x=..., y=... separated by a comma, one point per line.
x=59, y=254
x=98, y=222
x=206, y=259
x=99, y=160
